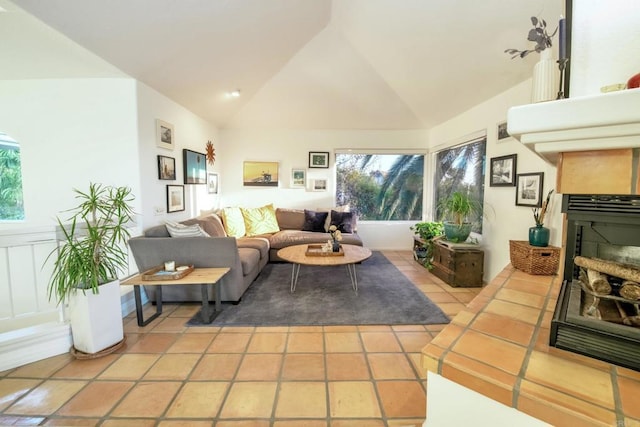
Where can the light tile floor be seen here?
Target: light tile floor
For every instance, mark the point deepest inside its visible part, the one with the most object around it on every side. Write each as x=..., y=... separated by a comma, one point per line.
x=171, y=375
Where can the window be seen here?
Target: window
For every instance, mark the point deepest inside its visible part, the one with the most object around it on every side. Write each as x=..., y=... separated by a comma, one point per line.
x=461, y=168
x=11, y=203
x=381, y=187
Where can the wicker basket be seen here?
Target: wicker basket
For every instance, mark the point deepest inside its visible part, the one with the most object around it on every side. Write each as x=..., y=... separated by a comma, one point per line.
x=534, y=260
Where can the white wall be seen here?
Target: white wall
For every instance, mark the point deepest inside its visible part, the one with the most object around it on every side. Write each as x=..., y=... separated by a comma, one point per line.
x=504, y=221
x=291, y=149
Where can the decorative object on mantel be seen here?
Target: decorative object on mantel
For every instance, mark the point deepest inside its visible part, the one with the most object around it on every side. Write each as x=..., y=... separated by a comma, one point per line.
x=544, y=71
x=634, y=82
x=211, y=153
x=539, y=235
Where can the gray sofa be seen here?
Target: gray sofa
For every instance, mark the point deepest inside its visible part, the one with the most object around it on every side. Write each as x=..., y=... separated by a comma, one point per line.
x=245, y=256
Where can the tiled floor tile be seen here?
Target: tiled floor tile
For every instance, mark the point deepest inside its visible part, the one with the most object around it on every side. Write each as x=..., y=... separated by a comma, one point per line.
x=385, y=366
x=260, y=367
x=358, y=423
x=216, y=367
x=198, y=400
x=520, y=297
x=7, y=420
x=347, y=367
x=380, y=342
x=171, y=324
x=172, y=367
x=250, y=400
x=242, y=423
x=96, y=399
x=12, y=389
x=630, y=391
x=504, y=327
x=483, y=348
x=191, y=343
x=46, y=398
x=153, y=343
x=402, y=398
x=129, y=367
x=147, y=400
x=342, y=342
x=85, y=369
x=226, y=342
x=302, y=400
x=42, y=368
x=353, y=399
x=303, y=367
x=297, y=423
x=413, y=341
x=267, y=342
x=71, y=421
x=305, y=342
x=124, y=422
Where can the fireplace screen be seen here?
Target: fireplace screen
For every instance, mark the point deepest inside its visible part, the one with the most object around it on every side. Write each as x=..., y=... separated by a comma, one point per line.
x=597, y=313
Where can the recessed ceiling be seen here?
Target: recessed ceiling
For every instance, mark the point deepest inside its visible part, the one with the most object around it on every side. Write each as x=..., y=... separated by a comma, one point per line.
x=313, y=64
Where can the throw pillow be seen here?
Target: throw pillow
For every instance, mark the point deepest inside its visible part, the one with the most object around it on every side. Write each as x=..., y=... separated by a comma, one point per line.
x=290, y=219
x=260, y=220
x=181, y=230
x=314, y=221
x=211, y=224
x=342, y=220
x=233, y=222
x=327, y=223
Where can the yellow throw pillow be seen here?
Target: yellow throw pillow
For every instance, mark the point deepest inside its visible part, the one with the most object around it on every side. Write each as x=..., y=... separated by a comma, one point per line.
x=260, y=220
x=233, y=222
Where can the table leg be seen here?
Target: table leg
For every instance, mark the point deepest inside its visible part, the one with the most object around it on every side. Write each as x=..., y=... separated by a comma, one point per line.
x=352, y=275
x=206, y=315
x=294, y=276
x=138, y=298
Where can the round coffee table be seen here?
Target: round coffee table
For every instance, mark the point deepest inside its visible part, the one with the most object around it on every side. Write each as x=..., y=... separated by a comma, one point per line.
x=297, y=255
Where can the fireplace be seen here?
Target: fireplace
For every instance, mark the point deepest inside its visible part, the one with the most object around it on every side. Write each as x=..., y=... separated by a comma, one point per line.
x=599, y=227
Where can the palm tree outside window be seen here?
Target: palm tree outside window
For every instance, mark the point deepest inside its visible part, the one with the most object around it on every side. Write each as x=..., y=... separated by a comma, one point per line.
x=11, y=200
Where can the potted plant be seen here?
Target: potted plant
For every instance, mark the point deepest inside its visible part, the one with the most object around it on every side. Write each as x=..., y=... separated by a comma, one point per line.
x=91, y=252
x=423, y=247
x=458, y=207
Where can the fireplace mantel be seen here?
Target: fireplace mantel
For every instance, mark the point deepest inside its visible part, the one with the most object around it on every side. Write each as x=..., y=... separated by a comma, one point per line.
x=607, y=121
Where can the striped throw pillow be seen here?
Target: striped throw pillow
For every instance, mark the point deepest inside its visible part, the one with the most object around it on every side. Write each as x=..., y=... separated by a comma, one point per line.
x=180, y=230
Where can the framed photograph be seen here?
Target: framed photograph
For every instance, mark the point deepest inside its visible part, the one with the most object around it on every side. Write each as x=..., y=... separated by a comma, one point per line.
x=175, y=198
x=319, y=185
x=164, y=134
x=260, y=174
x=166, y=168
x=195, y=167
x=503, y=171
x=212, y=183
x=529, y=189
x=502, y=133
x=298, y=178
x=319, y=159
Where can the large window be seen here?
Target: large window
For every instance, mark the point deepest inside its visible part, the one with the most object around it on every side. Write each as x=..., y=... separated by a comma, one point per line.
x=461, y=168
x=11, y=205
x=381, y=187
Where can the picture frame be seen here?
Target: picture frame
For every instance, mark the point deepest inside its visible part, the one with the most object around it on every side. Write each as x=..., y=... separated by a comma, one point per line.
x=260, y=174
x=195, y=167
x=298, y=178
x=212, y=183
x=175, y=198
x=319, y=159
x=166, y=168
x=529, y=189
x=165, y=135
x=501, y=131
x=319, y=185
x=503, y=171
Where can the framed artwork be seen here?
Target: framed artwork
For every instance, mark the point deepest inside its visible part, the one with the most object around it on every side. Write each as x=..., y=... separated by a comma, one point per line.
x=318, y=159
x=529, y=189
x=319, y=185
x=260, y=174
x=195, y=167
x=298, y=178
x=502, y=133
x=212, y=183
x=166, y=168
x=164, y=134
x=175, y=198
x=503, y=171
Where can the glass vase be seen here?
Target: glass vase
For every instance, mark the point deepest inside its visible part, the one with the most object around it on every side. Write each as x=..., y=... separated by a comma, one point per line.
x=539, y=236
x=336, y=246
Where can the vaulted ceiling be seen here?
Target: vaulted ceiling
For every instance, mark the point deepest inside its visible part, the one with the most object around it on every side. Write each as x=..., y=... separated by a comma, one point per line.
x=310, y=64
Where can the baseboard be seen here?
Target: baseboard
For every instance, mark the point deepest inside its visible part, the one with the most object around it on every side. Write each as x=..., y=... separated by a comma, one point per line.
x=35, y=343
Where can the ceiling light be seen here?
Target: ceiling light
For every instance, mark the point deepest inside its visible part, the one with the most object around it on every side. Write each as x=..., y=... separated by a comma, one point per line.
x=233, y=93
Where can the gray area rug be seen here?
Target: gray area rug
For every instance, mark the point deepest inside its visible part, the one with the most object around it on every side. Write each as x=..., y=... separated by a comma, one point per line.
x=324, y=296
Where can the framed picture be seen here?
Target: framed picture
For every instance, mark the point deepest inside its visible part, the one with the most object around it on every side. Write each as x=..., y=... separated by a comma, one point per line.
x=164, y=134
x=319, y=185
x=318, y=159
x=503, y=171
x=298, y=178
x=195, y=167
x=529, y=189
x=166, y=168
x=212, y=183
x=175, y=198
x=502, y=131
x=260, y=174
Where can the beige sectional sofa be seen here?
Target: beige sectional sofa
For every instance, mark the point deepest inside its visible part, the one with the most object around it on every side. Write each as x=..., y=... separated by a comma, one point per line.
x=246, y=255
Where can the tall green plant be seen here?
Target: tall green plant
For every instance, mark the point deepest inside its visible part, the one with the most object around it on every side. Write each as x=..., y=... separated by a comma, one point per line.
x=459, y=206
x=91, y=252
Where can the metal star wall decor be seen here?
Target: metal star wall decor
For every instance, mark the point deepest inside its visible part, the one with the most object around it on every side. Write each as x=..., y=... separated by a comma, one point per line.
x=211, y=153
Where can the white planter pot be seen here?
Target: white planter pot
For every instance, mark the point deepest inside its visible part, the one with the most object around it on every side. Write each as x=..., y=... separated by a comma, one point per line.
x=96, y=319
x=544, y=86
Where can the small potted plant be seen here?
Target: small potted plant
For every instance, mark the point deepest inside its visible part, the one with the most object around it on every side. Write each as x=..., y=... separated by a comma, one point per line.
x=537, y=34
x=91, y=252
x=423, y=248
x=458, y=207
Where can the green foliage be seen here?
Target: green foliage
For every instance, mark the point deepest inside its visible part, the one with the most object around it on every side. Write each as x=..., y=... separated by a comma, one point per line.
x=459, y=206
x=428, y=230
x=92, y=249
x=11, y=200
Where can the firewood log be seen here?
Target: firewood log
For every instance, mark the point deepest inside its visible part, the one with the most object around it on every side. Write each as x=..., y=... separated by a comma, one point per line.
x=598, y=282
x=612, y=268
x=630, y=290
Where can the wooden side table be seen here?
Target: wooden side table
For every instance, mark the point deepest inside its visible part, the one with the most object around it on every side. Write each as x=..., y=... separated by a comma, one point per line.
x=199, y=276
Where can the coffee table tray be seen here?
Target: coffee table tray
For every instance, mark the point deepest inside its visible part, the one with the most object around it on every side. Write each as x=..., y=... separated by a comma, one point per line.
x=159, y=273
x=316, y=250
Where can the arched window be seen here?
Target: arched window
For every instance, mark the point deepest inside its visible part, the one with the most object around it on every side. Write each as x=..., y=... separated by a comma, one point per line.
x=11, y=201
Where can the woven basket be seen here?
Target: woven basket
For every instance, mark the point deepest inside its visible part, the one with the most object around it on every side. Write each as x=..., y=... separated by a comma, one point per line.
x=533, y=259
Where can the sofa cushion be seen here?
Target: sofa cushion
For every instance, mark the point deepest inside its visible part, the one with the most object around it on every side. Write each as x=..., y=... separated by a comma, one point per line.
x=342, y=221
x=211, y=224
x=249, y=259
x=290, y=219
x=260, y=220
x=180, y=230
x=314, y=221
x=261, y=244
x=233, y=222
x=285, y=238
x=327, y=223
x=157, y=231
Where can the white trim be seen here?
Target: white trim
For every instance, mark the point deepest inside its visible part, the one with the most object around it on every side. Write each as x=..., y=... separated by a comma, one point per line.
x=35, y=343
x=466, y=139
x=389, y=151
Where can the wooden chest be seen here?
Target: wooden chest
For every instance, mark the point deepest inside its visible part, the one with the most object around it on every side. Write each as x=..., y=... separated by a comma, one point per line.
x=459, y=265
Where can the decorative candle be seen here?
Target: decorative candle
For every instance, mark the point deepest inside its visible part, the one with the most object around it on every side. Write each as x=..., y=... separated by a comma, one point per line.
x=563, y=38
x=170, y=266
